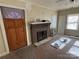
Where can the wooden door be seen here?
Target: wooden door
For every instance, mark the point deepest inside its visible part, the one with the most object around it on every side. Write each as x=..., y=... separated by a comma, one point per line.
x=16, y=33
x=14, y=22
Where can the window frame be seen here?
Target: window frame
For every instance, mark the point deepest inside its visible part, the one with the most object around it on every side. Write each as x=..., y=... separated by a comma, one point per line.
x=72, y=22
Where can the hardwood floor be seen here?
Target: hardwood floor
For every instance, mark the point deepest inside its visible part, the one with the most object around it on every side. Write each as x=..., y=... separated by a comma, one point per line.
x=44, y=51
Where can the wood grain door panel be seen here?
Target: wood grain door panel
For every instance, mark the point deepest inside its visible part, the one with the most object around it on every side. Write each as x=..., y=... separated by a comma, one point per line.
x=20, y=32
x=9, y=24
x=11, y=37
x=21, y=37
x=19, y=23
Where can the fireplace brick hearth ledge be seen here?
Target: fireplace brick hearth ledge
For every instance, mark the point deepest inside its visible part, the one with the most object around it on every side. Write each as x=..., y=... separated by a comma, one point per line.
x=40, y=32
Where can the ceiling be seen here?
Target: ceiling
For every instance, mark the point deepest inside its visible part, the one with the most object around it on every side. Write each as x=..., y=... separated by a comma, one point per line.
x=56, y=4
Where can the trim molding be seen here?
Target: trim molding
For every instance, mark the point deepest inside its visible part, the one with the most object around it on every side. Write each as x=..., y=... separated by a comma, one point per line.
x=5, y=43
x=3, y=54
x=41, y=6
x=3, y=29
x=7, y=5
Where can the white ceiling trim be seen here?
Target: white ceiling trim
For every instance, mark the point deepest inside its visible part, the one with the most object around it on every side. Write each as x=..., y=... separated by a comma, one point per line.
x=54, y=5
x=28, y=4
x=42, y=6
x=8, y=5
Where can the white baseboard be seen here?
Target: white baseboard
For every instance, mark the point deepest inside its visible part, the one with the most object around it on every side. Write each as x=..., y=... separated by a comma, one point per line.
x=4, y=53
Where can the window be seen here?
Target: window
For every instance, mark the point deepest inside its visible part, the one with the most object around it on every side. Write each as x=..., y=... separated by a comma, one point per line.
x=72, y=22
x=53, y=22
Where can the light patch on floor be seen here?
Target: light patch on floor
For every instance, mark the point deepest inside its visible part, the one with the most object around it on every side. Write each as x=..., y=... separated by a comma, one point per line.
x=60, y=43
x=76, y=43
x=74, y=50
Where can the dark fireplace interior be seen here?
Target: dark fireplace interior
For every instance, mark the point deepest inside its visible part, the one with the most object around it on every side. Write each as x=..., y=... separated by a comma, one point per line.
x=41, y=35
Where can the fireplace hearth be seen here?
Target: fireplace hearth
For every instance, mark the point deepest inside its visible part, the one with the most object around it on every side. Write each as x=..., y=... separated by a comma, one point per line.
x=40, y=31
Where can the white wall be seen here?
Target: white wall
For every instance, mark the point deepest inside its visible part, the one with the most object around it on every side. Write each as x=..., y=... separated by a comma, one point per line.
x=40, y=12
x=61, y=24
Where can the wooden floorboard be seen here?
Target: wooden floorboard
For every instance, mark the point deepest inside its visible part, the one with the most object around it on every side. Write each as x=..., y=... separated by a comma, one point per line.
x=44, y=51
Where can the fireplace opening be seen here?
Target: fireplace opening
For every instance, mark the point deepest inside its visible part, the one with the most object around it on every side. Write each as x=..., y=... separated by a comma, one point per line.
x=41, y=35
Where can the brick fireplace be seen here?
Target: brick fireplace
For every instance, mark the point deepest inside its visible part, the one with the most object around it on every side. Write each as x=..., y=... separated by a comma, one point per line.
x=40, y=31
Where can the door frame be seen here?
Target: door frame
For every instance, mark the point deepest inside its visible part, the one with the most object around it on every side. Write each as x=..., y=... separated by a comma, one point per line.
x=3, y=29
